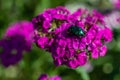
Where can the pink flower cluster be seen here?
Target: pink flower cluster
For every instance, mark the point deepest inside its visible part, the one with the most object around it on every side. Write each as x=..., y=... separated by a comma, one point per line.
x=52, y=34
x=46, y=77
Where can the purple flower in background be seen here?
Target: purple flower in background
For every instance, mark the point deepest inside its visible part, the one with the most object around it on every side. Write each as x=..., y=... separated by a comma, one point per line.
x=113, y=19
x=11, y=50
x=72, y=38
x=55, y=78
x=43, y=77
x=46, y=77
x=17, y=39
x=23, y=28
x=116, y=3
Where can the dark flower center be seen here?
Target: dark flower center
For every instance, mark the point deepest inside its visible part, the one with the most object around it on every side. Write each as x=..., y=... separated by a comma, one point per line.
x=14, y=52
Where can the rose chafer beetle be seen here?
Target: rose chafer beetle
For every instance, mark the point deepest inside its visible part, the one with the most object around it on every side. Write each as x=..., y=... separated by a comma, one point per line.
x=77, y=31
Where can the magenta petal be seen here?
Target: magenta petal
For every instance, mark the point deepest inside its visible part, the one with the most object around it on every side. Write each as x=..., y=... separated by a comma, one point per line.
x=72, y=64
x=42, y=41
x=82, y=59
x=107, y=35
x=95, y=53
x=103, y=50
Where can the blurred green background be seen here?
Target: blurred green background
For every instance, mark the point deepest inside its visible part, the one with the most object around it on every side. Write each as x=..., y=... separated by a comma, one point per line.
x=38, y=61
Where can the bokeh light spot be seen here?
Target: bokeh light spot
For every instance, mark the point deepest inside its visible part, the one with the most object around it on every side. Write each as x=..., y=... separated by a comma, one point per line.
x=107, y=68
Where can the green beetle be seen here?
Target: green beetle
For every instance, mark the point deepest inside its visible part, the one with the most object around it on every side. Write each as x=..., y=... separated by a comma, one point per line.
x=77, y=31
